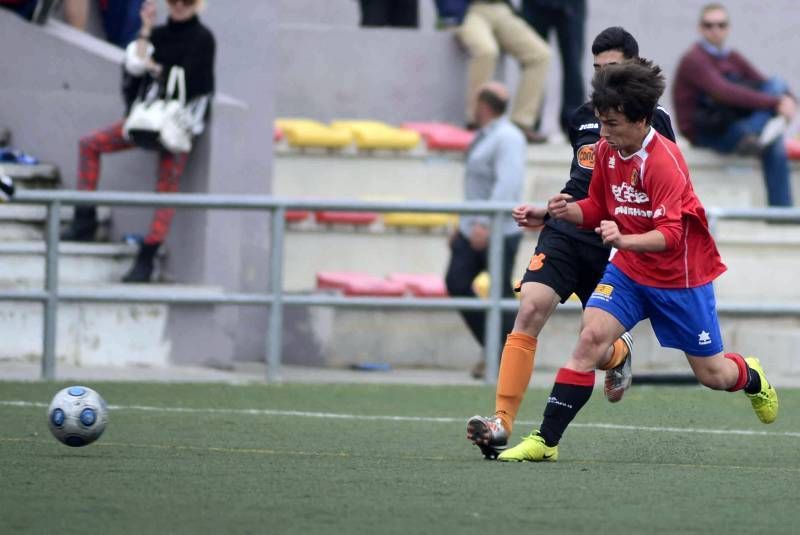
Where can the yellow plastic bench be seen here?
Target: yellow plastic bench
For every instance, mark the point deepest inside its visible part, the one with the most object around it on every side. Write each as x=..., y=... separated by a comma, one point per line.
x=308, y=133
x=378, y=135
x=410, y=219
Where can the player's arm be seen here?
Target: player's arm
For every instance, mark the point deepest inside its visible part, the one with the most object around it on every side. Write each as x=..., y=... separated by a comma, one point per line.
x=528, y=215
x=652, y=241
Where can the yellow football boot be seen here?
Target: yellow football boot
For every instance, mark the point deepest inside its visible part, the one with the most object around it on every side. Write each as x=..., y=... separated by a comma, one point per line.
x=765, y=402
x=532, y=448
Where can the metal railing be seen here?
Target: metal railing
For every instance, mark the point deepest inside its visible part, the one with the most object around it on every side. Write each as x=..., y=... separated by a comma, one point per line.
x=276, y=299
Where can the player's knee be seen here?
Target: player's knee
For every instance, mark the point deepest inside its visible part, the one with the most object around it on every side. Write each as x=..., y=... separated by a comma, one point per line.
x=531, y=315
x=592, y=337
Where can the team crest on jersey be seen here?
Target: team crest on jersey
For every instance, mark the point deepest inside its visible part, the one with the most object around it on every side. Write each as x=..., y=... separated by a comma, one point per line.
x=585, y=156
x=635, y=177
x=612, y=163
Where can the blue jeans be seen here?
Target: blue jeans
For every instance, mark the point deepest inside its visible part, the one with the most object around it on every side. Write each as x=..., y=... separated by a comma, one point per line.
x=121, y=21
x=774, y=161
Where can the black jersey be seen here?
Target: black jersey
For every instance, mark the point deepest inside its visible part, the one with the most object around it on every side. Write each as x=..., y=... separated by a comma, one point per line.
x=584, y=132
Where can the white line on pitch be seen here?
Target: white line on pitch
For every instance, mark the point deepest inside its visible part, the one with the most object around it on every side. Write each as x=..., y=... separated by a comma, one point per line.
x=425, y=419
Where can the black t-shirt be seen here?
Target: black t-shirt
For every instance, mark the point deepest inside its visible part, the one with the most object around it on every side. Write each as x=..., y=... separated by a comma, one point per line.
x=584, y=132
x=188, y=44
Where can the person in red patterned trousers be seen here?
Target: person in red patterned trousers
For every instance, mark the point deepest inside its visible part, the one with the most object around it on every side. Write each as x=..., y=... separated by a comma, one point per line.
x=183, y=41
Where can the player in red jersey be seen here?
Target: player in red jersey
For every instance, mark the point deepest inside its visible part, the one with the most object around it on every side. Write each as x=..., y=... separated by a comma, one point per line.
x=641, y=201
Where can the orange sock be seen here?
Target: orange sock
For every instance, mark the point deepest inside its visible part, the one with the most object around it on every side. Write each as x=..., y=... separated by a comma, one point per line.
x=619, y=354
x=516, y=368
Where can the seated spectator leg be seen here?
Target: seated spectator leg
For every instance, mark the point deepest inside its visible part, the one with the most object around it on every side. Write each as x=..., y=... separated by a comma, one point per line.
x=76, y=13
x=777, y=178
x=170, y=169
x=25, y=10
x=465, y=265
x=475, y=33
x=404, y=13
x=533, y=54
x=570, y=30
x=121, y=21
x=374, y=12
x=111, y=139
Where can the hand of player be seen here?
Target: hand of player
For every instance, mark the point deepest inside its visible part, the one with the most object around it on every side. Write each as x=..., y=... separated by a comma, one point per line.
x=557, y=206
x=527, y=215
x=148, y=15
x=787, y=107
x=609, y=232
x=479, y=237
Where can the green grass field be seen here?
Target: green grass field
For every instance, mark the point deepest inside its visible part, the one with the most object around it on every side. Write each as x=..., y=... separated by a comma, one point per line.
x=241, y=463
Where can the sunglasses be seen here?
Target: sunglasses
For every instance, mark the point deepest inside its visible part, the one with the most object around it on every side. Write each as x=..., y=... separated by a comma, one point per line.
x=708, y=25
x=184, y=2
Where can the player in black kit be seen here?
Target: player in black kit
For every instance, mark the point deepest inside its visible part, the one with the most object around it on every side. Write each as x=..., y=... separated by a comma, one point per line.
x=567, y=260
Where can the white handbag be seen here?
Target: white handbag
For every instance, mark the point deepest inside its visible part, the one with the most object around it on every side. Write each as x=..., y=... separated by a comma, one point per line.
x=162, y=123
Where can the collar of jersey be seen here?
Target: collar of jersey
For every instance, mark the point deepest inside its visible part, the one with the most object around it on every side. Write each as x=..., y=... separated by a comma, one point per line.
x=641, y=153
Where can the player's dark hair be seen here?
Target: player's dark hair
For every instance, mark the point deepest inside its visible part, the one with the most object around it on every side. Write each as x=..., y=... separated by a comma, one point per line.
x=632, y=88
x=495, y=102
x=616, y=38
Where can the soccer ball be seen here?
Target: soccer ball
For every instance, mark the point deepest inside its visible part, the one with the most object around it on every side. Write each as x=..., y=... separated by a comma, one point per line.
x=77, y=416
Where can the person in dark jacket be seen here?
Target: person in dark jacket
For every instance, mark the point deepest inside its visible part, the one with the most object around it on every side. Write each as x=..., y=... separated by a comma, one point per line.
x=725, y=104
x=567, y=260
x=396, y=13
x=183, y=41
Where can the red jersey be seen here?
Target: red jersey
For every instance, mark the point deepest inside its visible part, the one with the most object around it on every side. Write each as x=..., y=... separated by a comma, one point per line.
x=651, y=190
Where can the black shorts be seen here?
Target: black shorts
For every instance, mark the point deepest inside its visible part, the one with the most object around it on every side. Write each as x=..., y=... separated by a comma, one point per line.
x=566, y=265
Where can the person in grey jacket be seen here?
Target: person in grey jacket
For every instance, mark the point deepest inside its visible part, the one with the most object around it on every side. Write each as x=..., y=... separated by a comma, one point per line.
x=495, y=168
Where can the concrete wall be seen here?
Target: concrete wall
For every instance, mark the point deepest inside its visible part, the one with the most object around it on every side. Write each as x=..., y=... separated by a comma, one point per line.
x=411, y=74
x=68, y=84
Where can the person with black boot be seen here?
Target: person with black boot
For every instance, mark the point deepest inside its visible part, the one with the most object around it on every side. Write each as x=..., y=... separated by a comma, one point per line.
x=182, y=42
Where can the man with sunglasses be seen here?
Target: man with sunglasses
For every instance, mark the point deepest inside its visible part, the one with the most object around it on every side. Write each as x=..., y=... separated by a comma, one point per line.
x=723, y=103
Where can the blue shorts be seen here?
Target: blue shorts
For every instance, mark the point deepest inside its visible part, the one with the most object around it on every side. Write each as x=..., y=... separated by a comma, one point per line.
x=682, y=318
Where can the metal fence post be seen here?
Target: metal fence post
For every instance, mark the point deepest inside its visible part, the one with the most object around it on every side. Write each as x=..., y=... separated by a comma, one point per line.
x=275, y=331
x=494, y=316
x=50, y=320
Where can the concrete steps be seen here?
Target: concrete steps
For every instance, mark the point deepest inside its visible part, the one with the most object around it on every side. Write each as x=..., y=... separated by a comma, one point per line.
x=80, y=263
x=433, y=176
x=761, y=258
x=20, y=222
x=441, y=340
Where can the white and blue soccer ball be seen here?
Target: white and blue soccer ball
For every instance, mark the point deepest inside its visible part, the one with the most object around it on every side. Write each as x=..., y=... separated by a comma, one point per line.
x=77, y=416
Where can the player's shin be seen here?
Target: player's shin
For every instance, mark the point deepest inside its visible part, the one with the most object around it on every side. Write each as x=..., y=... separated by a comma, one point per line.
x=516, y=368
x=570, y=393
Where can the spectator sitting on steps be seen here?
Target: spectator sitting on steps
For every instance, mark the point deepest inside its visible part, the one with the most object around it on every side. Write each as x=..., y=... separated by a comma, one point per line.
x=183, y=41
x=723, y=103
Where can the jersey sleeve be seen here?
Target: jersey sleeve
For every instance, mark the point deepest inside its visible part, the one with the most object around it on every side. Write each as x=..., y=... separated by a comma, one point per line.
x=665, y=186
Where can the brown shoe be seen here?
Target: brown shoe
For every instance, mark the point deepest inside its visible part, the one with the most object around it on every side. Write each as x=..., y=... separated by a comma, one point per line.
x=531, y=136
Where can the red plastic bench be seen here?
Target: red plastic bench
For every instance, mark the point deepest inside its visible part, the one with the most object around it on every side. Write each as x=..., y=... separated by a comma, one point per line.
x=442, y=136
x=295, y=216
x=421, y=285
x=793, y=148
x=359, y=284
x=346, y=218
